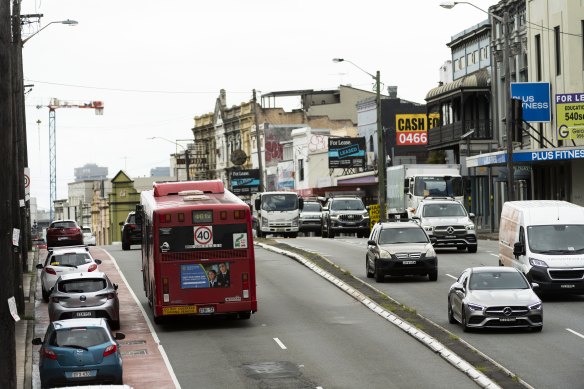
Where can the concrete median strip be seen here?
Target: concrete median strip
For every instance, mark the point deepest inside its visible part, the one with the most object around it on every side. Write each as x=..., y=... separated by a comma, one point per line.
x=478, y=377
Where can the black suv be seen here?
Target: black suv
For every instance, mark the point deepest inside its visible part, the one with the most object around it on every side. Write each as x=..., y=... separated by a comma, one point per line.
x=131, y=232
x=344, y=214
x=400, y=249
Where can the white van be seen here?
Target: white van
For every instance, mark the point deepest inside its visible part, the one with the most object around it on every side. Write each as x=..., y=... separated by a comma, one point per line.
x=545, y=240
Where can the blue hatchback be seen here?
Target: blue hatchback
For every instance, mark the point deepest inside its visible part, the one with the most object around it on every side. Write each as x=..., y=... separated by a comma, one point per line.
x=80, y=351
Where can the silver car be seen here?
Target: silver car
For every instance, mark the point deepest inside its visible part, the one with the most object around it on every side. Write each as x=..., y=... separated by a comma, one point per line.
x=494, y=297
x=83, y=295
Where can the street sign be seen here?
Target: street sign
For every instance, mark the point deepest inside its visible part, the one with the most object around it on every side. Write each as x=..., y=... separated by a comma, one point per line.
x=535, y=97
x=26, y=183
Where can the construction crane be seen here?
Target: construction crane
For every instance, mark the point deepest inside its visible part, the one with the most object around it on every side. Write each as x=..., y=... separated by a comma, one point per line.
x=53, y=105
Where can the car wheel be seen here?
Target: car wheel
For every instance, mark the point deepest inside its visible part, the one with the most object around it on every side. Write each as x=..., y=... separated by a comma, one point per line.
x=331, y=233
x=433, y=276
x=294, y=235
x=465, y=327
x=367, y=271
x=379, y=276
x=537, y=329
x=451, y=318
x=115, y=325
x=125, y=245
x=322, y=231
x=259, y=233
x=45, y=296
x=244, y=315
x=472, y=249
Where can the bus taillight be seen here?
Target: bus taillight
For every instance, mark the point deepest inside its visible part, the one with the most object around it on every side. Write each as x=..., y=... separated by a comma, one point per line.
x=164, y=218
x=223, y=215
x=239, y=214
x=245, y=285
x=165, y=294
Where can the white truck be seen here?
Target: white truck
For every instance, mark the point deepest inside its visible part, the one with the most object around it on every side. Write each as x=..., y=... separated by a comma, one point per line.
x=407, y=185
x=276, y=213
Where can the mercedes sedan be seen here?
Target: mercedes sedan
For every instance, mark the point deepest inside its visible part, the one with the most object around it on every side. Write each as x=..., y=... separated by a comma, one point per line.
x=494, y=297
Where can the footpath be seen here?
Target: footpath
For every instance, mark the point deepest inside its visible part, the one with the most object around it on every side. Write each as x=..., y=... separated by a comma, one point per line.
x=145, y=363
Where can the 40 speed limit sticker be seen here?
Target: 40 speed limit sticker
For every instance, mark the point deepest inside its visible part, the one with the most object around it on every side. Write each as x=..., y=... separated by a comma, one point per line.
x=203, y=236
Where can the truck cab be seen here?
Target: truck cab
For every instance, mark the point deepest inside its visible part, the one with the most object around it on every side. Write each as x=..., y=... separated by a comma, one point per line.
x=276, y=213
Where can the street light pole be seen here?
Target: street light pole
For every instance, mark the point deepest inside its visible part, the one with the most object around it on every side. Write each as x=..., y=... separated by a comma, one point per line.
x=381, y=184
x=507, y=92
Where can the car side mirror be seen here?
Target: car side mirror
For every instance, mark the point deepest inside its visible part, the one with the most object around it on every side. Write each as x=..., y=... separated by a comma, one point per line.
x=471, y=215
x=325, y=208
x=371, y=242
x=300, y=204
x=518, y=249
x=39, y=266
x=415, y=218
x=115, y=286
x=534, y=285
x=459, y=287
x=258, y=204
x=119, y=336
x=121, y=223
x=433, y=240
x=37, y=341
x=98, y=261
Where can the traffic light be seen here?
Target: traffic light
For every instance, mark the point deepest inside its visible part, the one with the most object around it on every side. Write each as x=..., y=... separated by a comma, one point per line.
x=516, y=120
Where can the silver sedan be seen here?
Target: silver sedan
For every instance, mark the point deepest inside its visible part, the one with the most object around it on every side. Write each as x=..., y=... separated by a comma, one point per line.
x=85, y=295
x=494, y=297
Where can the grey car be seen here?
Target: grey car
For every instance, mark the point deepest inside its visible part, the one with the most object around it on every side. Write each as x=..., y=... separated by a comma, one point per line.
x=400, y=249
x=85, y=295
x=494, y=297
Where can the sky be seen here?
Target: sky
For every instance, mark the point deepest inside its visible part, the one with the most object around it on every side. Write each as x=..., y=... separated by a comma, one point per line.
x=156, y=65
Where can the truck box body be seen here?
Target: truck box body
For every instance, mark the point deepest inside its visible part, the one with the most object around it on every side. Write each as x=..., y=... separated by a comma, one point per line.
x=545, y=240
x=407, y=185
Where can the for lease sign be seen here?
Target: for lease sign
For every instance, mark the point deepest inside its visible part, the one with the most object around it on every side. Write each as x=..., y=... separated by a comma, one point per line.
x=412, y=129
x=570, y=116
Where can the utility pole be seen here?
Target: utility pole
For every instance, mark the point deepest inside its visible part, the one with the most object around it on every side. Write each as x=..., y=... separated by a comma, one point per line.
x=258, y=142
x=508, y=110
x=7, y=327
x=381, y=168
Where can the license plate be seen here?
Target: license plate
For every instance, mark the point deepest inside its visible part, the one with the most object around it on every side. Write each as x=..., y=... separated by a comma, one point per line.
x=184, y=310
x=80, y=374
x=409, y=262
x=62, y=238
x=508, y=319
x=568, y=286
x=450, y=236
x=84, y=314
x=206, y=309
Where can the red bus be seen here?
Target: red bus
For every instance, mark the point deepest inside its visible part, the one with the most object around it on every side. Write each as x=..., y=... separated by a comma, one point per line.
x=197, y=250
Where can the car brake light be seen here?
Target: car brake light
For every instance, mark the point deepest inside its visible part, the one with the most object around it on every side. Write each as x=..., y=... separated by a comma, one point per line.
x=110, y=350
x=50, y=270
x=245, y=285
x=49, y=354
x=92, y=267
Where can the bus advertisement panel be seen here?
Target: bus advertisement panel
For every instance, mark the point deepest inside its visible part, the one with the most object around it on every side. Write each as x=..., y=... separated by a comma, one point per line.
x=197, y=251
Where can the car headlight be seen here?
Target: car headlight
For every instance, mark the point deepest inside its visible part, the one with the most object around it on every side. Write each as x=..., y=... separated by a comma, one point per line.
x=430, y=252
x=365, y=215
x=537, y=262
x=334, y=216
x=295, y=222
x=264, y=221
x=384, y=254
x=470, y=227
x=536, y=306
x=475, y=307
x=429, y=228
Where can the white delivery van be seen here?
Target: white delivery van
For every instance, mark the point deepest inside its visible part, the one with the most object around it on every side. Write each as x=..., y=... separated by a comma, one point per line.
x=545, y=240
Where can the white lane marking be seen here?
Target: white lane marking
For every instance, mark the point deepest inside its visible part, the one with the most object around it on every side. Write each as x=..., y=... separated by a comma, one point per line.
x=150, y=327
x=319, y=387
x=495, y=255
x=451, y=276
x=575, y=333
x=282, y=346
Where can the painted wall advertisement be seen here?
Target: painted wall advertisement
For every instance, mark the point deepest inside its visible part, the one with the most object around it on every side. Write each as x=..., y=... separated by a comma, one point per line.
x=245, y=182
x=346, y=152
x=412, y=129
x=570, y=116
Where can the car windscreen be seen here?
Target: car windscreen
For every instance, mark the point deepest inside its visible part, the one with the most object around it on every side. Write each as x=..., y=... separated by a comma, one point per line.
x=556, y=239
x=82, y=286
x=280, y=202
x=80, y=337
x=131, y=219
x=402, y=235
x=69, y=259
x=497, y=280
x=311, y=207
x=443, y=210
x=63, y=225
x=434, y=186
x=347, y=205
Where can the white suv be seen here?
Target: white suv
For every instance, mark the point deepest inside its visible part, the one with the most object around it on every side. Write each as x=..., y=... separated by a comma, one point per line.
x=448, y=222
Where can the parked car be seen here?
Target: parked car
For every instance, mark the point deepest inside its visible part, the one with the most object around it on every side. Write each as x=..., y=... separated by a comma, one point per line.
x=494, y=297
x=64, y=233
x=79, y=295
x=39, y=243
x=344, y=214
x=310, y=217
x=447, y=220
x=131, y=232
x=400, y=249
x=79, y=351
x=64, y=260
x=88, y=236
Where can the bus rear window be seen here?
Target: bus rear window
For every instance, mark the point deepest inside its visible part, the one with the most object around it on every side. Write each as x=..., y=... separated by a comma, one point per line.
x=209, y=237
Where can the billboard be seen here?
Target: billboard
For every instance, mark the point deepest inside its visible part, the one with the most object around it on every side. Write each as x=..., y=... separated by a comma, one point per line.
x=535, y=97
x=412, y=129
x=245, y=182
x=346, y=152
x=570, y=116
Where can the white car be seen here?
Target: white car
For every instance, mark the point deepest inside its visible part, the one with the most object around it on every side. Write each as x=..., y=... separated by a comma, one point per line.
x=88, y=236
x=65, y=260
